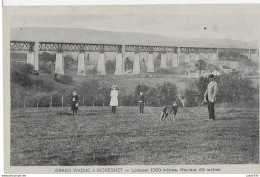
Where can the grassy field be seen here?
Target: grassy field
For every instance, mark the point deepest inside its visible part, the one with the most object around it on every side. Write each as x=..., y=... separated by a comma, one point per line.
x=50, y=137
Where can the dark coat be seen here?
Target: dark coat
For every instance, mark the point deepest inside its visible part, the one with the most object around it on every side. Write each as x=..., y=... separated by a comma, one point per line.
x=74, y=101
x=141, y=99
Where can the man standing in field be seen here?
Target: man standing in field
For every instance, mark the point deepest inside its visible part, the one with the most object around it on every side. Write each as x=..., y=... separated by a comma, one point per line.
x=210, y=96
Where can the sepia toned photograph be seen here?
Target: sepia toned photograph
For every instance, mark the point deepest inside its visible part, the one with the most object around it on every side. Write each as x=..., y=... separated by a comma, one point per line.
x=133, y=86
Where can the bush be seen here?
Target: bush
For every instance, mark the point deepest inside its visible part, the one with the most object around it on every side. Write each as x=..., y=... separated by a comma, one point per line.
x=45, y=69
x=166, y=93
x=192, y=95
x=232, y=87
x=165, y=71
x=68, y=61
x=110, y=67
x=20, y=74
x=23, y=68
x=44, y=100
x=128, y=64
x=104, y=96
x=64, y=79
x=21, y=78
x=143, y=67
x=45, y=85
x=56, y=99
x=162, y=94
x=38, y=82
x=90, y=91
x=46, y=57
x=27, y=69
x=128, y=100
x=93, y=71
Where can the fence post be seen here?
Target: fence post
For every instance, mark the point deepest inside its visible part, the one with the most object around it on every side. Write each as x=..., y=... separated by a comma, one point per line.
x=37, y=103
x=24, y=102
x=83, y=101
x=51, y=102
x=62, y=101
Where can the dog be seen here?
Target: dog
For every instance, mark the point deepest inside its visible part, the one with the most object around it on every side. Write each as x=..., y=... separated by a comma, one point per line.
x=165, y=110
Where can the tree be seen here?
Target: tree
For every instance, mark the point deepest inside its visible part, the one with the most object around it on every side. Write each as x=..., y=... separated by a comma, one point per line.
x=143, y=66
x=200, y=87
x=200, y=64
x=68, y=60
x=27, y=69
x=110, y=67
x=232, y=87
x=157, y=62
x=94, y=71
x=104, y=95
x=89, y=90
x=191, y=94
x=46, y=57
x=88, y=58
x=128, y=64
x=141, y=87
x=66, y=80
x=21, y=78
x=20, y=74
x=166, y=93
x=128, y=100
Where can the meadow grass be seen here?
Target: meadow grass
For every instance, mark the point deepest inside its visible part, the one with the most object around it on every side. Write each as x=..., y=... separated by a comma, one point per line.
x=52, y=136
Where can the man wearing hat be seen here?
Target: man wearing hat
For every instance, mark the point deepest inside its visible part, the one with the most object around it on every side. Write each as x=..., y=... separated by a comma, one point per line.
x=210, y=96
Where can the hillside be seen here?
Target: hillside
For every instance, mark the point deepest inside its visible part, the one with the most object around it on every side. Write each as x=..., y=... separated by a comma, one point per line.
x=105, y=37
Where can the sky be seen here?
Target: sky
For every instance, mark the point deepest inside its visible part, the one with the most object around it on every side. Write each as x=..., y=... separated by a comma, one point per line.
x=237, y=27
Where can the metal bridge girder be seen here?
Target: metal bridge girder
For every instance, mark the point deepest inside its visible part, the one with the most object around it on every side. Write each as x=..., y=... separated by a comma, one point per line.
x=22, y=46
x=60, y=47
x=234, y=50
x=139, y=48
x=197, y=50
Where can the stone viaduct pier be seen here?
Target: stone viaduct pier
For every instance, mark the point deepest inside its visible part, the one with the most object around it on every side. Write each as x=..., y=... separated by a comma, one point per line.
x=188, y=54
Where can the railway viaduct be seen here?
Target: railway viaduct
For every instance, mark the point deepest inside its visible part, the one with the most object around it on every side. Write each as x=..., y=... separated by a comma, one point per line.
x=189, y=54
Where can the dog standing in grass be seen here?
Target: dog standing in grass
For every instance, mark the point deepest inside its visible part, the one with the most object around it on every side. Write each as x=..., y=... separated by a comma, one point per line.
x=169, y=110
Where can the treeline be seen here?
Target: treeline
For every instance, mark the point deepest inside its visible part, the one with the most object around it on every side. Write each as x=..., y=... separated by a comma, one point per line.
x=28, y=90
x=161, y=94
x=232, y=87
x=92, y=93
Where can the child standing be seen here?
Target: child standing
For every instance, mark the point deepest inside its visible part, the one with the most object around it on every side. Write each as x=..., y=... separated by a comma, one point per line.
x=114, y=98
x=74, y=104
x=141, y=102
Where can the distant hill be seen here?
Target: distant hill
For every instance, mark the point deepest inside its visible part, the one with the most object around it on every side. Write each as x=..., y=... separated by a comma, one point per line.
x=76, y=35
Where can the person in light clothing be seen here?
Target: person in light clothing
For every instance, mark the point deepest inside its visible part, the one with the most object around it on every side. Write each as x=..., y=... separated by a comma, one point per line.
x=210, y=96
x=114, y=98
